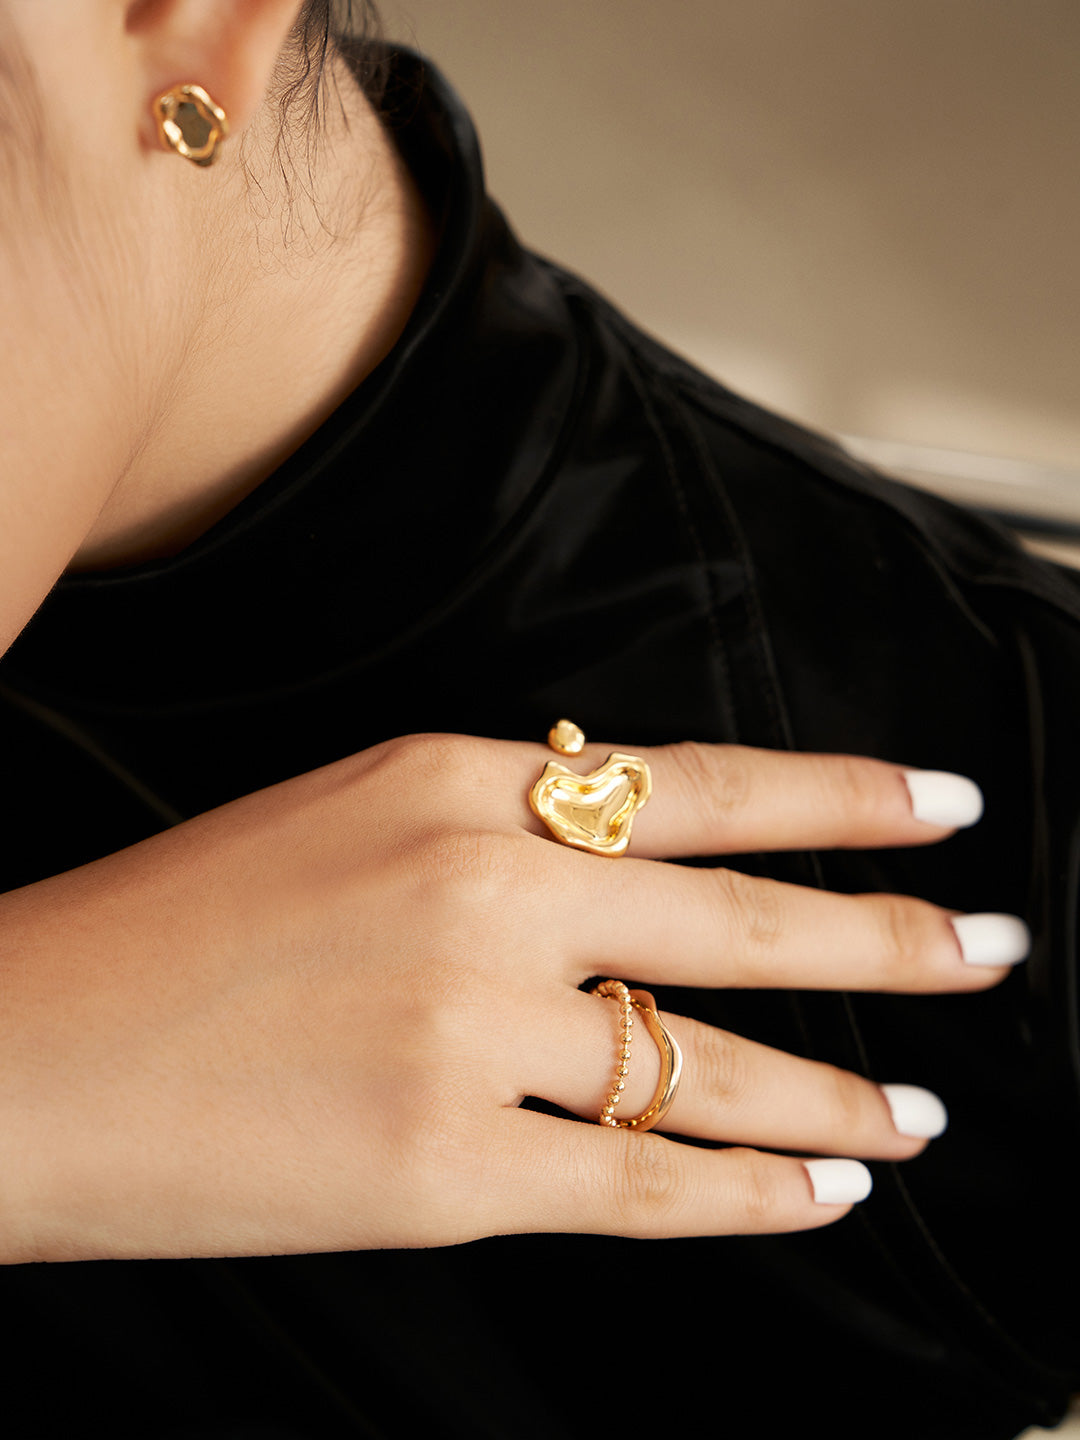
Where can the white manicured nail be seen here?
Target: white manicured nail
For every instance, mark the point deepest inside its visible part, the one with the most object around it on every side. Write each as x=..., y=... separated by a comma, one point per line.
x=838, y=1182
x=938, y=798
x=992, y=939
x=916, y=1112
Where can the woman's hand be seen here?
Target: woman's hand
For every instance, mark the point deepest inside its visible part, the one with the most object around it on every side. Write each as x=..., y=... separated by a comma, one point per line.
x=306, y=1020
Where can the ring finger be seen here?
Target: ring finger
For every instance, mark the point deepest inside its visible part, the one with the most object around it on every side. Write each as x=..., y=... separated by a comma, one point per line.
x=732, y=1089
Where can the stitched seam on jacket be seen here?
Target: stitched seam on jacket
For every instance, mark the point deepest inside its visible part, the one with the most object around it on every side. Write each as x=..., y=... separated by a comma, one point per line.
x=683, y=506
x=828, y=459
x=1028, y=575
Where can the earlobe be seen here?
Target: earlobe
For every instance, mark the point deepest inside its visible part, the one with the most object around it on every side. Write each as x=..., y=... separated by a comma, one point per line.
x=207, y=64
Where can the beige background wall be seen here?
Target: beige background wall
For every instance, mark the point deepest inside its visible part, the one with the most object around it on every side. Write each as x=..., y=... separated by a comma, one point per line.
x=864, y=212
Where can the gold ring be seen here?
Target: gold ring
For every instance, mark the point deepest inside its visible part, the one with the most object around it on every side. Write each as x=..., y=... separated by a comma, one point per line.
x=593, y=812
x=670, y=1056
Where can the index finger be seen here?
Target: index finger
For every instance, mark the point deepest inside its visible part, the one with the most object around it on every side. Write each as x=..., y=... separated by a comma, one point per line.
x=728, y=799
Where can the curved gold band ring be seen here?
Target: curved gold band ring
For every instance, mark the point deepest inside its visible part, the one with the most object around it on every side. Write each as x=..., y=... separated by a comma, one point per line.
x=671, y=1059
x=593, y=812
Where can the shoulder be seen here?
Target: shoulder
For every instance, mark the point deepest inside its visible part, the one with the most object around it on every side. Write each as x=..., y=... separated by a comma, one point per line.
x=787, y=485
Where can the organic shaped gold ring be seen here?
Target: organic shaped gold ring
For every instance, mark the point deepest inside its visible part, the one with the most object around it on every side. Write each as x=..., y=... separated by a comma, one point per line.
x=593, y=812
x=670, y=1056
x=190, y=123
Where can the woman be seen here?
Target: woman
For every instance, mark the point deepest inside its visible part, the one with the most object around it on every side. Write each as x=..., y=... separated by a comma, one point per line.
x=337, y=476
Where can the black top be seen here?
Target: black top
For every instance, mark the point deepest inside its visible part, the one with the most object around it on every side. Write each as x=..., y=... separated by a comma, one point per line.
x=531, y=509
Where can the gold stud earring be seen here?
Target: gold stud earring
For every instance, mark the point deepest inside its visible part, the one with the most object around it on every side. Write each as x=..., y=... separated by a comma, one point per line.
x=190, y=123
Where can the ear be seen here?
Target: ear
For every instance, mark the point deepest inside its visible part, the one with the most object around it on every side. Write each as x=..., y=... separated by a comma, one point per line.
x=229, y=47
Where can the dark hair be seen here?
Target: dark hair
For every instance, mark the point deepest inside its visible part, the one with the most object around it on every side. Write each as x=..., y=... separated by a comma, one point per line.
x=306, y=82
x=325, y=28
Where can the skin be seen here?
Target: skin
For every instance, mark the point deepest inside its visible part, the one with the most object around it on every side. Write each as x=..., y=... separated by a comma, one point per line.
x=272, y=1028
x=167, y=288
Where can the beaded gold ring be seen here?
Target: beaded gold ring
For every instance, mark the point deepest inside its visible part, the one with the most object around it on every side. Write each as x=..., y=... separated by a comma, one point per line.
x=670, y=1056
x=617, y=991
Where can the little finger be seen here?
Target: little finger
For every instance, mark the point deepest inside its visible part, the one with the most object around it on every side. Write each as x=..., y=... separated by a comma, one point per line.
x=551, y=1175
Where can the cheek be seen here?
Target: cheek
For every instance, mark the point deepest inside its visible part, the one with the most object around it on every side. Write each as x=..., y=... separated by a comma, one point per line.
x=77, y=290
x=79, y=273
x=82, y=315
x=79, y=370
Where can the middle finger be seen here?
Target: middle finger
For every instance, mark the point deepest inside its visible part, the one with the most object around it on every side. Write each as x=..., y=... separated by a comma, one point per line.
x=677, y=925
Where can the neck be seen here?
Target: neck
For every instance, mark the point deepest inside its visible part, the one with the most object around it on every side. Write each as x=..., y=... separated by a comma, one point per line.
x=274, y=343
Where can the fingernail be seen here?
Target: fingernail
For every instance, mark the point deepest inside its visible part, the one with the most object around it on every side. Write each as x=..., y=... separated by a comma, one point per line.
x=939, y=798
x=916, y=1112
x=992, y=939
x=838, y=1182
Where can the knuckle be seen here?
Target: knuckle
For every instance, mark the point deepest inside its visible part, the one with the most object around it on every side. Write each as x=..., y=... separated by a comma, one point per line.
x=751, y=912
x=716, y=779
x=721, y=1072
x=445, y=755
x=753, y=1185
x=437, y=772
x=846, y=1105
x=647, y=1192
x=849, y=783
x=902, y=930
x=844, y=776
